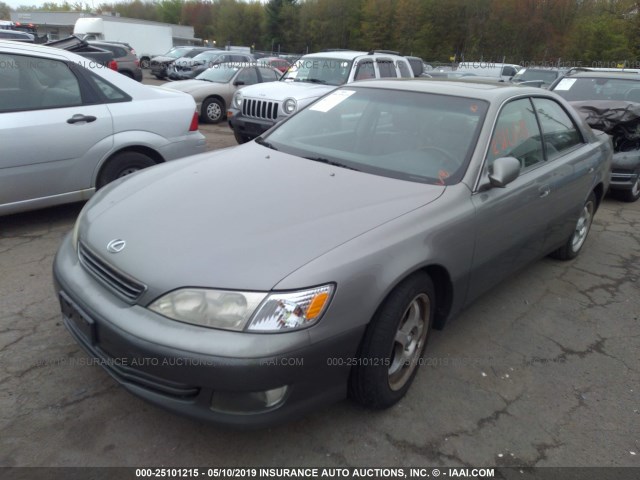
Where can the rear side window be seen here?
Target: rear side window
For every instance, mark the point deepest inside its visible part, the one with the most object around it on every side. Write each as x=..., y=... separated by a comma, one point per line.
x=111, y=92
x=559, y=132
x=268, y=75
x=508, y=71
x=249, y=76
x=405, y=72
x=387, y=69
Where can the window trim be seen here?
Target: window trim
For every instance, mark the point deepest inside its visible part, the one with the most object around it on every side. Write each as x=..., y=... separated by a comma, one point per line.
x=578, y=129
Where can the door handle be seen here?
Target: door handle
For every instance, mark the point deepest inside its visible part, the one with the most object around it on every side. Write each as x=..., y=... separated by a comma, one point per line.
x=77, y=118
x=544, y=191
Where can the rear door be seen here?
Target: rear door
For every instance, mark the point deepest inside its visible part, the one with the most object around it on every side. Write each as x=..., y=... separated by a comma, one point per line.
x=50, y=136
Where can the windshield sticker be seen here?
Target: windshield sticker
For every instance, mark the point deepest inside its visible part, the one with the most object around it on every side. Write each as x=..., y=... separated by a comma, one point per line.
x=565, y=84
x=332, y=100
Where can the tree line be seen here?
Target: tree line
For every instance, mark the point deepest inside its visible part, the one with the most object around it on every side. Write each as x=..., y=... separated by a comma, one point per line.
x=518, y=31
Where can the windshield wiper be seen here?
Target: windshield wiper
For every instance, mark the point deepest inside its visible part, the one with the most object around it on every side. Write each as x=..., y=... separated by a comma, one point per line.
x=264, y=143
x=331, y=162
x=314, y=80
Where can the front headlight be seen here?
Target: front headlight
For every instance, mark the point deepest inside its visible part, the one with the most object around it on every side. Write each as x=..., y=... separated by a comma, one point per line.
x=237, y=100
x=251, y=311
x=289, y=106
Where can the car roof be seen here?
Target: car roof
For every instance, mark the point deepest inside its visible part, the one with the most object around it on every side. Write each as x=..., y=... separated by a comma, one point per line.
x=492, y=92
x=348, y=54
x=616, y=75
x=35, y=49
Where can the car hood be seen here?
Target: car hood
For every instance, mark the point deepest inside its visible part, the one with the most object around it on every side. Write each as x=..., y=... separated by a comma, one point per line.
x=281, y=90
x=191, y=86
x=241, y=218
x=162, y=59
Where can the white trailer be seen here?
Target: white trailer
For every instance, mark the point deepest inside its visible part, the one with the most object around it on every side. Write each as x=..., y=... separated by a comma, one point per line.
x=148, y=40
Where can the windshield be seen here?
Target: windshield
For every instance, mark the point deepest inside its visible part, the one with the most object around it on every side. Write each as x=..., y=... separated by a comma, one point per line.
x=577, y=89
x=206, y=56
x=177, y=53
x=329, y=71
x=528, y=74
x=420, y=137
x=222, y=73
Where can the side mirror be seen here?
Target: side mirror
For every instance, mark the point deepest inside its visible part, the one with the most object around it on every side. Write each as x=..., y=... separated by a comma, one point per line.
x=505, y=171
x=237, y=83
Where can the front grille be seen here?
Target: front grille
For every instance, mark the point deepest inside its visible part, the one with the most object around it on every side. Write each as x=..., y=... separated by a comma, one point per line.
x=121, y=284
x=260, y=109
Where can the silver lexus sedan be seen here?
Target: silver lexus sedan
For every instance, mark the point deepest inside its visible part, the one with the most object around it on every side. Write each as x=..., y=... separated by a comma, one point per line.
x=312, y=263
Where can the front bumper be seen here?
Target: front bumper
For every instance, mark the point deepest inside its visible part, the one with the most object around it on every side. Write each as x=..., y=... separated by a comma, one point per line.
x=248, y=127
x=182, y=375
x=625, y=170
x=158, y=69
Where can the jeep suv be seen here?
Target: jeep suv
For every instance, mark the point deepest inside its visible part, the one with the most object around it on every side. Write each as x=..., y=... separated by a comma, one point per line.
x=256, y=108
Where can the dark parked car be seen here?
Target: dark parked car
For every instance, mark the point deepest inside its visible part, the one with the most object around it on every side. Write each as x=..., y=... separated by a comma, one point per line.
x=538, y=77
x=187, y=68
x=128, y=63
x=610, y=101
x=16, y=36
x=312, y=263
x=161, y=63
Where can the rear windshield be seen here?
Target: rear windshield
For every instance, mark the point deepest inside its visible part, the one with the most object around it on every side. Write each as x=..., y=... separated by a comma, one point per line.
x=420, y=137
x=527, y=74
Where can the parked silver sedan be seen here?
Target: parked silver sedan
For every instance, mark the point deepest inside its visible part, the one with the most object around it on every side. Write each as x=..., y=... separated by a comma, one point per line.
x=312, y=263
x=69, y=126
x=213, y=89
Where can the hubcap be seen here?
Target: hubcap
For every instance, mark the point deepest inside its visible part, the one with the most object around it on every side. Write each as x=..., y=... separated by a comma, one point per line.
x=213, y=111
x=635, y=190
x=409, y=340
x=128, y=171
x=582, y=227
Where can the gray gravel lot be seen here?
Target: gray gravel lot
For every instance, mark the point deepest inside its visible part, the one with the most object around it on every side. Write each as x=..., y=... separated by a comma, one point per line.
x=544, y=371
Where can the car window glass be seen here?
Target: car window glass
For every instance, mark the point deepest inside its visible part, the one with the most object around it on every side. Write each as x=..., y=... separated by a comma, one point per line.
x=43, y=83
x=9, y=73
x=509, y=71
x=517, y=135
x=405, y=72
x=268, y=75
x=386, y=69
x=249, y=76
x=558, y=130
x=365, y=70
x=111, y=92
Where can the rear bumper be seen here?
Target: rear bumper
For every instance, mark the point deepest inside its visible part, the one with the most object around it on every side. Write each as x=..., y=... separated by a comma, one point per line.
x=190, y=144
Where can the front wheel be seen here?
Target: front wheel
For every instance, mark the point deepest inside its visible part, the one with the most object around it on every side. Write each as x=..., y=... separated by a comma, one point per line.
x=574, y=244
x=393, y=344
x=212, y=110
x=145, y=63
x=121, y=165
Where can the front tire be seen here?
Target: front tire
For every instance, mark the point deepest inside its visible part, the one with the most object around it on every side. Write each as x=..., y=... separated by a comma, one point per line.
x=212, y=110
x=121, y=165
x=574, y=244
x=393, y=344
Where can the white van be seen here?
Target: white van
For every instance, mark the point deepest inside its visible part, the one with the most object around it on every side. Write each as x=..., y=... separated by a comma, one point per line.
x=503, y=71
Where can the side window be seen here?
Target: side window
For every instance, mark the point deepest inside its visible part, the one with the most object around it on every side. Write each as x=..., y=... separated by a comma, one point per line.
x=365, y=70
x=405, y=71
x=558, y=130
x=508, y=71
x=517, y=135
x=43, y=83
x=386, y=69
x=249, y=76
x=112, y=93
x=268, y=75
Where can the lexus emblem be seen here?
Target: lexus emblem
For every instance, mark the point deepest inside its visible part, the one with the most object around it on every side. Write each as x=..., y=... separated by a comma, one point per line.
x=116, y=245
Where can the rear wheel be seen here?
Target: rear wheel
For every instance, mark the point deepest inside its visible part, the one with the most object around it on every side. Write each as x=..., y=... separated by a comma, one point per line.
x=121, y=165
x=574, y=244
x=393, y=344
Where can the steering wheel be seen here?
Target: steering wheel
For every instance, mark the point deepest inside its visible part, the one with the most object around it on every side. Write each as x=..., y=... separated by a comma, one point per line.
x=447, y=161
